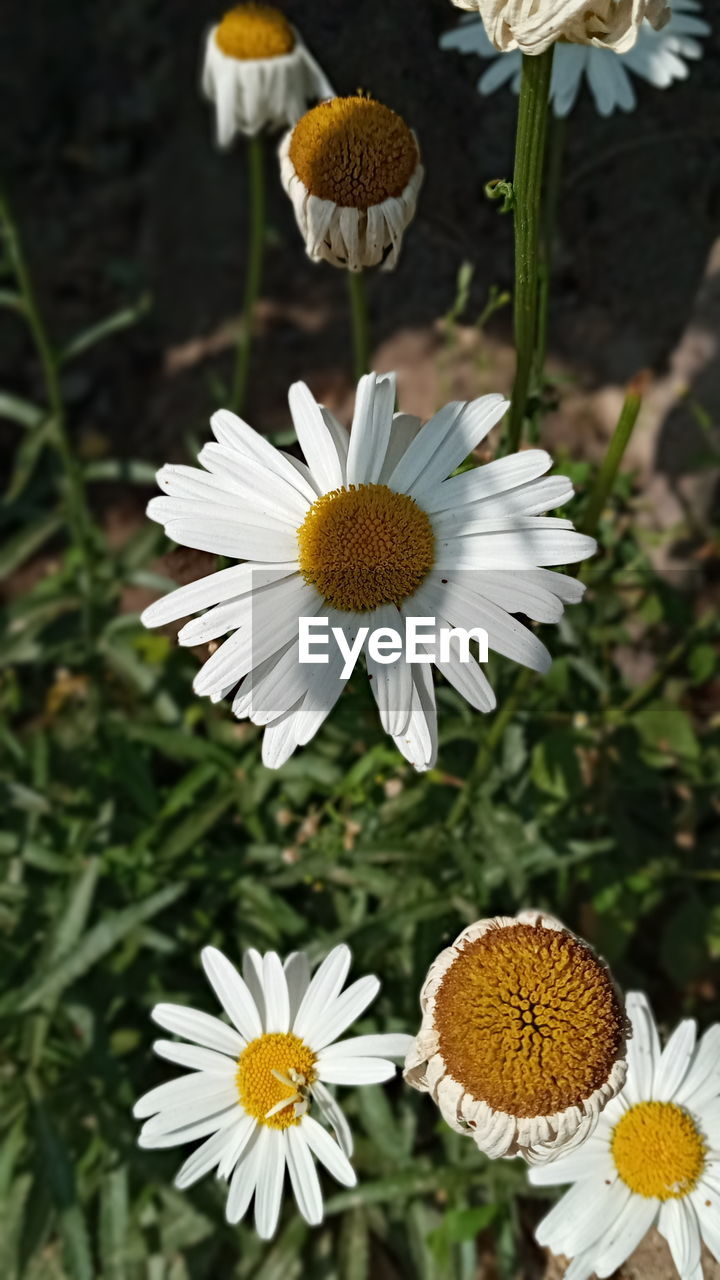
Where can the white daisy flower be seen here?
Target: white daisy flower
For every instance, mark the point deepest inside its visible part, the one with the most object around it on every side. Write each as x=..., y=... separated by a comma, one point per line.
x=367, y=533
x=253, y=1086
x=660, y=57
x=533, y=25
x=352, y=169
x=522, y=1041
x=654, y=1158
x=258, y=72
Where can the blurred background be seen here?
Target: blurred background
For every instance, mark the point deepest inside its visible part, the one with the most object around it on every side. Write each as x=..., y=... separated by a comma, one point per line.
x=139, y=824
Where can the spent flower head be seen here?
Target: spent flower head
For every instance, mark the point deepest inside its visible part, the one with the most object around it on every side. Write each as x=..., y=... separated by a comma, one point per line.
x=533, y=27
x=522, y=1041
x=258, y=72
x=352, y=169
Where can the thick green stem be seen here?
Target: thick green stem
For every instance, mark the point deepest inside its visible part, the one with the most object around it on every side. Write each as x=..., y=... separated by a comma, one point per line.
x=527, y=196
x=253, y=278
x=78, y=511
x=360, y=324
x=557, y=136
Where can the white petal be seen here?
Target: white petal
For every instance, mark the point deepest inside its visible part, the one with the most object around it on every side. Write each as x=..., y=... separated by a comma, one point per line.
x=241, y=1135
x=203, y=1028
x=205, y=1158
x=675, y=1060
x=354, y=1070
x=303, y=1176
x=678, y=1223
x=236, y=434
x=342, y=1011
x=179, y=1116
x=591, y=1160
x=195, y=1058
x=196, y=1090
x=252, y=976
x=297, y=975
x=216, y=588
x=624, y=1236
x=245, y=1175
x=232, y=992
x=391, y=683
x=332, y=1112
x=643, y=1049
x=489, y=480
x=323, y=989
x=268, y=1192
x=444, y=442
x=702, y=1081
x=158, y=1137
x=277, y=1003
x=526, y=542
x=315, y=438
x=389, y=1044
x=328, y=1152
x=582, y=1216
x=403, y=431
x=372, y=422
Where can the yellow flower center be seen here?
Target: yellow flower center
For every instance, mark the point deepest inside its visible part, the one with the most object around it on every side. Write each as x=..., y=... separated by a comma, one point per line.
x=273, y=1073
x=354, y=152
x=255, y=31
x=658, y=1150
x=365, y=546
x=528, y=1020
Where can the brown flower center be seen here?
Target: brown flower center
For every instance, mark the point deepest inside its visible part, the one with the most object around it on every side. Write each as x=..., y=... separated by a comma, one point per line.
x=354, y=152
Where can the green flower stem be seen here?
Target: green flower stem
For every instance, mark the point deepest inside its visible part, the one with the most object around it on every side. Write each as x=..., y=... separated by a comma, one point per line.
x=79, y=518
x=360, y=323
x=610, y=466
x=527, y=195
x=253, y=279
x=557, y=137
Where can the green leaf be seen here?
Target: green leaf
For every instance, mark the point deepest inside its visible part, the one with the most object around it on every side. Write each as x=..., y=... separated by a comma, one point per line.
x=96, y=944
x=115, y=1253
x=555, y=767
x=19, y=410
x=27, y=542
x=115, y=323
x=354, y=1250
x=58, y=1172
x=666, y=730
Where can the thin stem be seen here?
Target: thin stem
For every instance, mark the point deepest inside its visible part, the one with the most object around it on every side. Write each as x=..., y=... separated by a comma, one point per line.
x=78, y=511
x=491, y=740
x=527, y=194
x=610, y=466
x=253, y=279
x=360, y=324
x=557, y=138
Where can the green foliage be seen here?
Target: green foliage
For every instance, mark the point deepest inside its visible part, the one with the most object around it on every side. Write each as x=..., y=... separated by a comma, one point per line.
x=139, y=825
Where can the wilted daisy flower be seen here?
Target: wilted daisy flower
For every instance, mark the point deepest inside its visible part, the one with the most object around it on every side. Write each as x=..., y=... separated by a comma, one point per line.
x=659, y=57
x=253, y=1086
x=522, y=1041
x=654, y=1158
x=532, y=27
x=352, y=169
x=367, y=533
x=258, y=72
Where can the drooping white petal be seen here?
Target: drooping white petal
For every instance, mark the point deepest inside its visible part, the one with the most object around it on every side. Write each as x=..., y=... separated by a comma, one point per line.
x=334, y=1115
x=242, y=1132
x=624, y=1235
x=232, y=992
x=203, y=1028
x=206, y=1156
x=591, y=1160
x=679, y=1225
x=271, y=1172
x=245, y=1176
x=391, y=683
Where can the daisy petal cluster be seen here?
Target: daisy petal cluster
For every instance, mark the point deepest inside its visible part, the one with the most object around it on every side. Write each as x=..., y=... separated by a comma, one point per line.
x=371, y=530
x=523, y=1037
x=258, y=72
x=352, y=169
x=532, y=28
x=253, y=1084
x=660, y=57
x=654, y=1158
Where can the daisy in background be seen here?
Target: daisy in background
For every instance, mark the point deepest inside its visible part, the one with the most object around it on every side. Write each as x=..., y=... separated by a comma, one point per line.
x=368, y=531
x=654, y=1158
x=254, y=1085
x=523, y=1037
x=258, y=72
x=352, y=169
x=533, y=25
x=660, y=57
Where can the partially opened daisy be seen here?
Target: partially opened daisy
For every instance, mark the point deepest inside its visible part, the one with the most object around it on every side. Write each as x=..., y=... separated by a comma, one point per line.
x=255, y=1087
x=660, y=57
x=653, y=1159
x=366, y=533
x=533, y=25
x=522, y=1041
x=352, y=169
x=258, y=72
